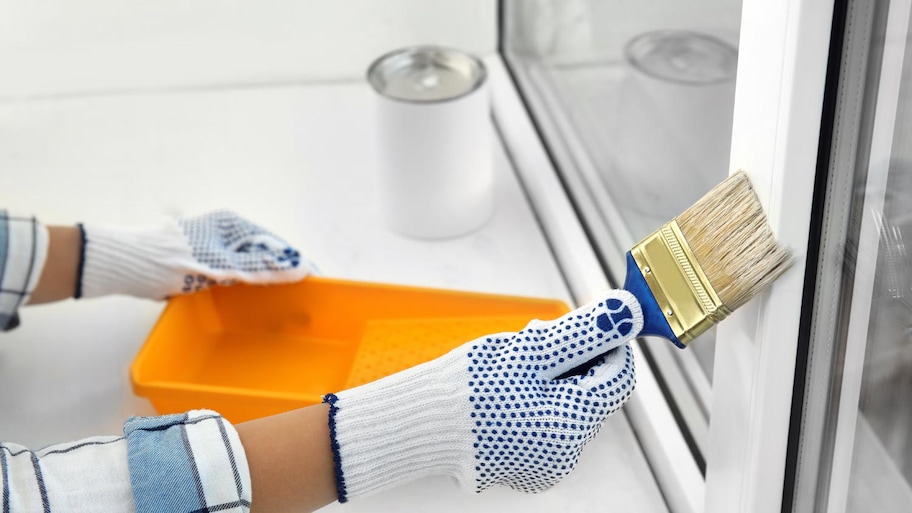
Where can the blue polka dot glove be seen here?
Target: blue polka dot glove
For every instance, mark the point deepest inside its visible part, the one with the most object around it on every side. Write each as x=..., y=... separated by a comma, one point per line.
x=501, y=409
x=183, y=256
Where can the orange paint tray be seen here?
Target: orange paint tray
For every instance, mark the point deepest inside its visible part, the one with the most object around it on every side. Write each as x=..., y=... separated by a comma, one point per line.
x=252, y=351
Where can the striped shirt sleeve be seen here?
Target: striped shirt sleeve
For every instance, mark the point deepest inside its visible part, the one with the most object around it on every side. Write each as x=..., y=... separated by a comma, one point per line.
x=192, y=462
x=23, y=250
x=79, y=477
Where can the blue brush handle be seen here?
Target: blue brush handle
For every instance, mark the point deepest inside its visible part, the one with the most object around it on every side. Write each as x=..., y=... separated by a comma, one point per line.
x=654, y=322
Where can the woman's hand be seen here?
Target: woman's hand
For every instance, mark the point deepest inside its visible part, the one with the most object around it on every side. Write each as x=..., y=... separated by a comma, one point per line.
x=498, y=410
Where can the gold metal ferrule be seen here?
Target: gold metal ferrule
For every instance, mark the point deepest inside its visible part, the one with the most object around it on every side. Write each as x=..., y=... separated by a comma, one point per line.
x=677, y=281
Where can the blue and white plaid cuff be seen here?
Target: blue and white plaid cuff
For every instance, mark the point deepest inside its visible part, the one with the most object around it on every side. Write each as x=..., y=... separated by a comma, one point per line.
x=23, y=251
x=192, y=462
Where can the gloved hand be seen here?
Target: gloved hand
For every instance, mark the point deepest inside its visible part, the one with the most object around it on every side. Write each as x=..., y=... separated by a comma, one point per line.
x=492, y=411
x=183, y=256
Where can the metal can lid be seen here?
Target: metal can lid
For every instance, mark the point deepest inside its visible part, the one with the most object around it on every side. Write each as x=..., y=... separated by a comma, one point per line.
x=426, y=74
x=683, y=56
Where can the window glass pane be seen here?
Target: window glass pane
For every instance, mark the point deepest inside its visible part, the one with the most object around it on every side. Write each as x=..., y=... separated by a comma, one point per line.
x=634, y=101
x=881, y=478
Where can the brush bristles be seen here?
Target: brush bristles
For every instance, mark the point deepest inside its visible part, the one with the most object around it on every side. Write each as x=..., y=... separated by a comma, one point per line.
x=731, y=240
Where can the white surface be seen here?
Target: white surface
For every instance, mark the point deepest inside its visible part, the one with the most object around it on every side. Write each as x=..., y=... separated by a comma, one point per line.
x=299, y=160
x=779, y=93
x=52, y=47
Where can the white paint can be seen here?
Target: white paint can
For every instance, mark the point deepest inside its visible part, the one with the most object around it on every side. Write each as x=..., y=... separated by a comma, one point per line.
x=434, y=138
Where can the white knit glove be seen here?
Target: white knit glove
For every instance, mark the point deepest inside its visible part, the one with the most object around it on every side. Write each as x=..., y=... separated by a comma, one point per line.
x=183, y=256
x=492, y=411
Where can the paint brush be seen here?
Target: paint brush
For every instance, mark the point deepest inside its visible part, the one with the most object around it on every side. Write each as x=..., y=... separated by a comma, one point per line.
x=698, y=268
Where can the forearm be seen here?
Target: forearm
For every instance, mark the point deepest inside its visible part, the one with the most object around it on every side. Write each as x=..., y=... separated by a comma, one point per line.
x=61, y=269
x=290, y=460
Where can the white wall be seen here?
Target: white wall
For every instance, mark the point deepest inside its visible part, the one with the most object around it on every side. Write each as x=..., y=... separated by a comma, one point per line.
x=54, y=47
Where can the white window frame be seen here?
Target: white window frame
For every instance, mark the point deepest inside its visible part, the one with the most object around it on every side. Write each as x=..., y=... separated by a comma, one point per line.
x=782, y=68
